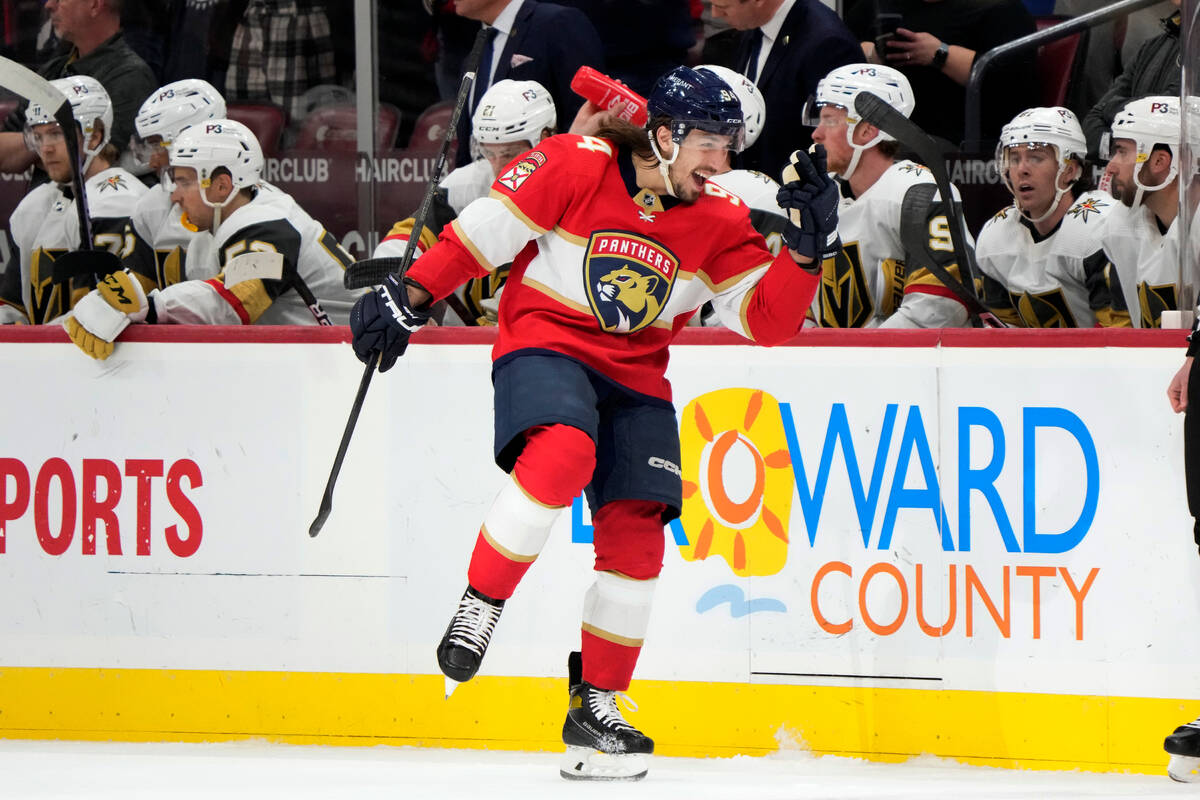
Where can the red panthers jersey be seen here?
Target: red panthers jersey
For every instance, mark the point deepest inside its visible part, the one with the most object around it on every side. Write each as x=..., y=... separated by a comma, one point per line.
x=607, y=273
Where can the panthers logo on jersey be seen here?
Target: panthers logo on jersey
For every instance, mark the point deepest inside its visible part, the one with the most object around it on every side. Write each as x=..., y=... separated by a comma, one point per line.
x=629, y=279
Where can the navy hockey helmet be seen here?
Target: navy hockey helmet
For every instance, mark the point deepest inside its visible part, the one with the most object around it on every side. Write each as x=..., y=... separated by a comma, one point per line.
x=697, y=99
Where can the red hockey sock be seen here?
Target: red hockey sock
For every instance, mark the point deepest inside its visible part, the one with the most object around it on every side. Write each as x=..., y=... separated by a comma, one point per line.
x=606, y=664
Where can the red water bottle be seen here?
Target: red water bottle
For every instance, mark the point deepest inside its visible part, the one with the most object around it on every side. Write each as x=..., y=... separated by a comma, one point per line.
x=606, y=92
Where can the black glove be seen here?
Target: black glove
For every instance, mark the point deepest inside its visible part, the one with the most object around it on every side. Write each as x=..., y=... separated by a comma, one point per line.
x=382, y=321
x=811, y=199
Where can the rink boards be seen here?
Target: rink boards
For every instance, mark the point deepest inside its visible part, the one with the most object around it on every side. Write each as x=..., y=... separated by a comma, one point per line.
x=965, y=543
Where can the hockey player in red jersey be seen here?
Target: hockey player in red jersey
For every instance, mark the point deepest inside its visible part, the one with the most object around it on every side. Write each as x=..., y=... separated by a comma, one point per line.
x=615, y=241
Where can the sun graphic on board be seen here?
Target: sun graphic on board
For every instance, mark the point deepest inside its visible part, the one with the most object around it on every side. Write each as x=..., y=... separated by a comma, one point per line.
x=737, y=481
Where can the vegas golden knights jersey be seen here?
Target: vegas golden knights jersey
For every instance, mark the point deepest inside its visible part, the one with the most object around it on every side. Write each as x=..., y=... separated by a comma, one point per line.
x=270, y=223
x=890, y=235
x=759, y=192
x=162, y=242
x=1147, y=258
x=456, y=191
x=1063, y=279
x=45, y=225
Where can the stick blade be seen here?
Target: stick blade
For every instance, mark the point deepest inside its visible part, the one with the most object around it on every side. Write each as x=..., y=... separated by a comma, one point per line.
x=322, y=515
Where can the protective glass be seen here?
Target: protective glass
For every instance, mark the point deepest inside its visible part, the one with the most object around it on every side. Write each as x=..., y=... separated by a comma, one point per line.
x=501, y=154
x=45, y=135
x=811, y=115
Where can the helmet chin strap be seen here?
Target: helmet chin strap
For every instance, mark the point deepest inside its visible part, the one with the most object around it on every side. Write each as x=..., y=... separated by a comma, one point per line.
x=1143, y=188
x=216, y=207
x=1058, y=193
x=664, y=164
x=857, y=148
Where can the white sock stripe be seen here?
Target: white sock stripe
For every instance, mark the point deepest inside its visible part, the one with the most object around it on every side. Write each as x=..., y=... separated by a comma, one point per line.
x=517, y=523
x=618, y=606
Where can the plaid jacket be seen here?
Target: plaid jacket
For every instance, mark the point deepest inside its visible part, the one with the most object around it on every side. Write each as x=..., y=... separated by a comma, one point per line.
x=281, y=49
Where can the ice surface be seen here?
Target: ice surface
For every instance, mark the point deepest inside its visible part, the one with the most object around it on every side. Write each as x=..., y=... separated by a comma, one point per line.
x=39, y=770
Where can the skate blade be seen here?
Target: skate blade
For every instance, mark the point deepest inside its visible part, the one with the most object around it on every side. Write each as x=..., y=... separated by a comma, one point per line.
x=586, y=764
x=1185, y=769
x=451, y=685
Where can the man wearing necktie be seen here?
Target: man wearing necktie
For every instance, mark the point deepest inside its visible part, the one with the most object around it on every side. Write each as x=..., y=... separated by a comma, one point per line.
x=529, y=41
x=786, y=47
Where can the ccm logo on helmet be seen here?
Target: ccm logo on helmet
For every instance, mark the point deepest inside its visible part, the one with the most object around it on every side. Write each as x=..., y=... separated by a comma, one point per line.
x=662, y=463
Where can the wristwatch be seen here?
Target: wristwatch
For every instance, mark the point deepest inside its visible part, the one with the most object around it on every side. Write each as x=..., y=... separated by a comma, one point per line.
x=939, y=57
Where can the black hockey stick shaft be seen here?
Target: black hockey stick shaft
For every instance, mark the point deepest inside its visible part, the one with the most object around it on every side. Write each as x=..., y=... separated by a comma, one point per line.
x=880, y=114
x=371, y=272
x=33, y=87
x=327, y=498
x=464, y=91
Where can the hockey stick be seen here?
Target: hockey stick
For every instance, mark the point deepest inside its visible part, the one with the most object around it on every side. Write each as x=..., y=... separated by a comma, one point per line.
x=372, y=271
x=400, y=267
x=880, y=114
x=36, y=89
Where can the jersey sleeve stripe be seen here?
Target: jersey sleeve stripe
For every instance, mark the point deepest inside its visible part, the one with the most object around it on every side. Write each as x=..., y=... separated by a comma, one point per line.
x=572, y=238
x=219, y=287
x=518, y=213
x=732, y=281
x=471, y=248
x=934, y=289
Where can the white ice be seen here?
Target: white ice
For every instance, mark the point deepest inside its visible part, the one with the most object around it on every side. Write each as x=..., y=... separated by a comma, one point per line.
x=39, y=770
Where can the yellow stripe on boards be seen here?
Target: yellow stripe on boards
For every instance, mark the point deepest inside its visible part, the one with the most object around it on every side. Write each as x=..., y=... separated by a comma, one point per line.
x=1039, y=731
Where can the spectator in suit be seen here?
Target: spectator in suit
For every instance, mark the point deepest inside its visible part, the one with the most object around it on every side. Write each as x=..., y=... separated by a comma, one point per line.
x=530, y=41
x=638, y=55
x=92, y=44
x=786, y=47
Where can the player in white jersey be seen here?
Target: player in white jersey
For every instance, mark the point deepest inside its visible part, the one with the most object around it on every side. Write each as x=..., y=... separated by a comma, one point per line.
x=277, y=265
x=757, y=189
x=161, y=236
x=511, y=117
x=892, y=222
x=45, y=224
x=1143, y=169
x=1041, y=259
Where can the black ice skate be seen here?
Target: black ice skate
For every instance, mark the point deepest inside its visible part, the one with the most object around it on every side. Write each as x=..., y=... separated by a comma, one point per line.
x=1184, y=747
x=466, y=638
x=601, y=745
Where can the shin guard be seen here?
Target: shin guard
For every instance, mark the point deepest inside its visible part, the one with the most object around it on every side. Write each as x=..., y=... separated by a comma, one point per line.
x=513, y=534
x=616, y=611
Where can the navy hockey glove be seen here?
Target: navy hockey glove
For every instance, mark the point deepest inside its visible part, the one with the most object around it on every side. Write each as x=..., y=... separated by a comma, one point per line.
x=811, y=199
x=382, y=321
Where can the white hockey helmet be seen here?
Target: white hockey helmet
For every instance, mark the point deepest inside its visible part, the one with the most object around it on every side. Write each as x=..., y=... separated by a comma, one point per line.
x=754, y=106
x=219, y=144
x=840, y=88
x=171, y=108
x=513, y=111
x=1147, y=122
x=1054, y=127
x=90, y=104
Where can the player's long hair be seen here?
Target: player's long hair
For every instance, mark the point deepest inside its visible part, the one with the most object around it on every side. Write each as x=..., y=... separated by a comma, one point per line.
x=632, y=138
